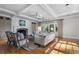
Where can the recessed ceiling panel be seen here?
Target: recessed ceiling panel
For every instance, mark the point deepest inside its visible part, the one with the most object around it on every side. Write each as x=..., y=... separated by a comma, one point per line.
x=37, y=10
x=14, y=7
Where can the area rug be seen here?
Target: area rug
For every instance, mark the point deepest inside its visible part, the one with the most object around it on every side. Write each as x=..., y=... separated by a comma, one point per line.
x=30, y=46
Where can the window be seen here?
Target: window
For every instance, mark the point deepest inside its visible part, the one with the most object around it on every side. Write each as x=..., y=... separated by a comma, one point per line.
x=49, y=27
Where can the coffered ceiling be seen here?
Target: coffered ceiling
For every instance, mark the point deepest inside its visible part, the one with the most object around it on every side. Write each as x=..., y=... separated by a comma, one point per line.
x=40, y=12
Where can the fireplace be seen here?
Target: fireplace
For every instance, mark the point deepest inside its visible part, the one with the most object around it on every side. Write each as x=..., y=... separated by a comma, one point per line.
x=24, y=31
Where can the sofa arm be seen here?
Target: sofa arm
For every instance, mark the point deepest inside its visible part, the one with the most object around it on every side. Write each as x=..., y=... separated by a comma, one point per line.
x=49, y=38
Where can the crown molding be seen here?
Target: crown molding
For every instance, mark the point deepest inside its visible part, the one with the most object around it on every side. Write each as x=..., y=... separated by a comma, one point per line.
x=65, y=14
x=5, y=15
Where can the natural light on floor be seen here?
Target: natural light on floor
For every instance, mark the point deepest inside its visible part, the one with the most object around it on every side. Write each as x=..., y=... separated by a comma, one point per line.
x=64, y=47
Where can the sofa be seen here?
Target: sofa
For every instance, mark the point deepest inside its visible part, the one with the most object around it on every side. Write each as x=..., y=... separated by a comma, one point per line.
x=44, y=39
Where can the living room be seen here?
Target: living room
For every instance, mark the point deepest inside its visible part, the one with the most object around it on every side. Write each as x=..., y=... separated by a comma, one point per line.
x=39, y=29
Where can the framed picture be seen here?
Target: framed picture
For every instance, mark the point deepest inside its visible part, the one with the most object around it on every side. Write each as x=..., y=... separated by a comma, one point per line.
x=22, y=22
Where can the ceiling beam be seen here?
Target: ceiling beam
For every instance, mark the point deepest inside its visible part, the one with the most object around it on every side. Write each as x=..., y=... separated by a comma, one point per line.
x=48, y=9
x=11, y=12
x=28, y=17
x=23, y=9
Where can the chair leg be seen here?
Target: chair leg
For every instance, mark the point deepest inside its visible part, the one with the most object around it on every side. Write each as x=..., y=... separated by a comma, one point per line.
x=8, y=45
x=27, y=43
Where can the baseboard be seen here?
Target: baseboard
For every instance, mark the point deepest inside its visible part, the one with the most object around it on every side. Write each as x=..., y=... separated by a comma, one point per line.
x=72, y=39
x=58, y=37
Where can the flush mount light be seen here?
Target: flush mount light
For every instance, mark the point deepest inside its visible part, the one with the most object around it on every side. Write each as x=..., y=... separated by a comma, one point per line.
x=67, y=5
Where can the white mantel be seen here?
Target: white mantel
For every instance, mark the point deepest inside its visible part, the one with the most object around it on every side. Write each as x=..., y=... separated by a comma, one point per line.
x=15, y=24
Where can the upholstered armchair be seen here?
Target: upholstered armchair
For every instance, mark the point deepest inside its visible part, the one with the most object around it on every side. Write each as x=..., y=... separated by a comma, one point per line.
x=21, y=40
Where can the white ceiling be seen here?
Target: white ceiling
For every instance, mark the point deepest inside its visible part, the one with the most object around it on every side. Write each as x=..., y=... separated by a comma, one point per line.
x=61, y=8
x=40, y=12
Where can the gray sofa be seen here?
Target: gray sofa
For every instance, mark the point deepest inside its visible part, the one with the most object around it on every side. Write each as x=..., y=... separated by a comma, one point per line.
x=44, y=39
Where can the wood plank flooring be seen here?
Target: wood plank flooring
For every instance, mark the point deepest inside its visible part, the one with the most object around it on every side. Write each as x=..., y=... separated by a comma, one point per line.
x=66, y=47
x=63, y=46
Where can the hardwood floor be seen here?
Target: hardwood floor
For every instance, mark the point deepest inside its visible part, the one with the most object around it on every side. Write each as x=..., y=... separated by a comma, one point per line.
x=63, y=46
x=66, y=46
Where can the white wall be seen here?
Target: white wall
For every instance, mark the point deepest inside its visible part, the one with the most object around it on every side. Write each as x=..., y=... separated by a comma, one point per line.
x=15, y=24
x=5, y=25
x=71, y=27
x=59, y=28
